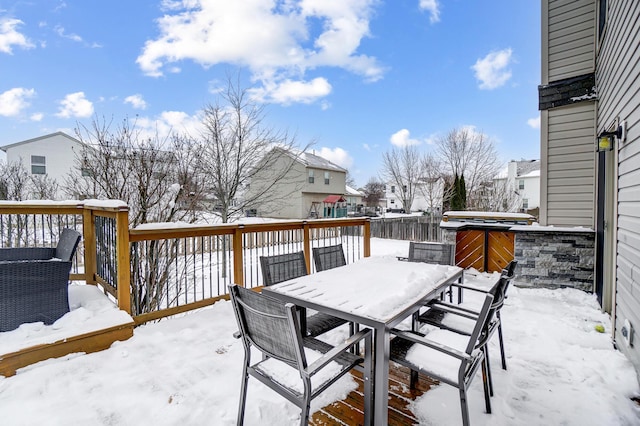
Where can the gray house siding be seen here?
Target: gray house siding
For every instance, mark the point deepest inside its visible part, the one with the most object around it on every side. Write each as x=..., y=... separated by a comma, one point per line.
x=571, y=36
x=569, y=159
x=618, y=83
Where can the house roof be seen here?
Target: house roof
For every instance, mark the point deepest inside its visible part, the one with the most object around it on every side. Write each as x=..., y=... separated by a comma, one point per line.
x=525, y=167
x=334, y=199
x=317, y=162
x=352, y=191
x=5, y=147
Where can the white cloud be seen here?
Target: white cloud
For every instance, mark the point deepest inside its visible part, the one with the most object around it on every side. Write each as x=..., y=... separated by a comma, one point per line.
x=534, y=123
x=14, y=101
x=492, y=71
x=136, y=101
x=433, y=7
x=9, y=36
x=75, y=105
x=337, y=156
x=402, y=138
x=169, y=122
x=38, y=116
x=366, y=147
x=279, y=44
x=60, y=31
x=288, y=91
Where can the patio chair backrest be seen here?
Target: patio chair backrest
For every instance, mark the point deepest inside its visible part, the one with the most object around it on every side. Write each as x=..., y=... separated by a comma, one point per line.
x=328, y=257
x=482, y=323
x=282, y=267
x=67, y=244
x=268, y=324
x=442, y=254
x=510, y=269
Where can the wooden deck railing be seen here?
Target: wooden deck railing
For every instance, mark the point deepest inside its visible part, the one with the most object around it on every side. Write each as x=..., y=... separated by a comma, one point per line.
x=157, y=270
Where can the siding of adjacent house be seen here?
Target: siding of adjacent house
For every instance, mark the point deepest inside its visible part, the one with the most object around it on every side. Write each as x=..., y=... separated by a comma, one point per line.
x=568, y=183
x=571, y=35
x=58, y=149
x=618, y=82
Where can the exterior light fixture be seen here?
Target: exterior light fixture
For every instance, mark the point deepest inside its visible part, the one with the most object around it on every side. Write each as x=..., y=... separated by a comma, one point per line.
x=606, y=139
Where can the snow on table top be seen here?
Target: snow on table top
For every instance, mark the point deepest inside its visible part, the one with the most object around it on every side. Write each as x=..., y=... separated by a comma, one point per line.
x=90, y=311
x=376, y=287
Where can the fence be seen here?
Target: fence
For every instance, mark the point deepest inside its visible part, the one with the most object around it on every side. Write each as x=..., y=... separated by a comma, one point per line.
x=156, y=270
x=411, y=228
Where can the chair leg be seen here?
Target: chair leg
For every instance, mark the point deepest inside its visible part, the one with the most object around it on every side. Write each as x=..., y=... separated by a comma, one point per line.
x=243, y=392
x=464, y=406
x=306, y=403
x=500, y=339
x=488, y=369
x=485, y=385
x=413, y=379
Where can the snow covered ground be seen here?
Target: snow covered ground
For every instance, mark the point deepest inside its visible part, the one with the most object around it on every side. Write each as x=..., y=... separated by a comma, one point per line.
x=186, y=370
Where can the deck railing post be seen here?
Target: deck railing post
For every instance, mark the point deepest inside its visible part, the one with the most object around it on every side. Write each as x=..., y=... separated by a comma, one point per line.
x=306, y=237
x=238, y=273
x=124, y=259
x=367, y=238
x=88, y=230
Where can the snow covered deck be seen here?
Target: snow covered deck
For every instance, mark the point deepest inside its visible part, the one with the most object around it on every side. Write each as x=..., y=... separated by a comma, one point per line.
x=93, y=324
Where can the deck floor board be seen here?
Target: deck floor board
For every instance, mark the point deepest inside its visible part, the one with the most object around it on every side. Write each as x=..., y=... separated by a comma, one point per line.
x=349, y=412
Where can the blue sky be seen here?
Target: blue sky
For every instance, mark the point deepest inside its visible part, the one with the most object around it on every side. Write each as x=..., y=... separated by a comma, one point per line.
x=355, y=77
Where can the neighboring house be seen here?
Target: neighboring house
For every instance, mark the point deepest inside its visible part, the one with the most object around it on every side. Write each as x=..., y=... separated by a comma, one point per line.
x=591, y=85
x=353, y=198
x=53, y=155
x=427, y=195
x=522, y=179
x=302, y=192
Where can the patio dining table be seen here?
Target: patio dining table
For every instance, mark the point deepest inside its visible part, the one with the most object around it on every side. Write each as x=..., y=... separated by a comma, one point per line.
x=378, y=292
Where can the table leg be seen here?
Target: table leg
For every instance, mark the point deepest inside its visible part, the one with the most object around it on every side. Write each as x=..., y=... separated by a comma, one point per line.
x=381, y=382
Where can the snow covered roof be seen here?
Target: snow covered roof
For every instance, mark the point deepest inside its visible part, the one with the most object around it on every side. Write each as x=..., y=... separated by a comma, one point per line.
x=315, y=161
x=527, y=166
x=353, y=191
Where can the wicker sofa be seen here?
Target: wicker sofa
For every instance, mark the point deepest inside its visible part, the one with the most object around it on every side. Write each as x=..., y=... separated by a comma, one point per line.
x=34, y=282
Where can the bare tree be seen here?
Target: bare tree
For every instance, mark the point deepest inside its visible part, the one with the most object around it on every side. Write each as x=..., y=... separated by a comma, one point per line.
x=500, y=196
x=471, y=154
x=432, y=182
x=42, y=187
x=349, y=180
x=14, y=181
x=151, y=175
x=242, y=160
x=401, y=167
x=374, y=192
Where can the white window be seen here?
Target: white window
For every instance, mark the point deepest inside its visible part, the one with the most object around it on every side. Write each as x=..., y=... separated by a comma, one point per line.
x=311, y=178
x=521, y=184
x=525, y=203
x=393, y=189
x=326, y=178
x=38, y=165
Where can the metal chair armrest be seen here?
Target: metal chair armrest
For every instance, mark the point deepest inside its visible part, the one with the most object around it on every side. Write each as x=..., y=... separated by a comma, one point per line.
x=416, y=338
x=336, y=351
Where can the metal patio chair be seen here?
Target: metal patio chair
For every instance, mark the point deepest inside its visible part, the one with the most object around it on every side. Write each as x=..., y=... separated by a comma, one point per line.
x=283, y=267
x=328, y=257
x=461, y=319
x=272, y=327
x=449, y=357
x=431, y=252
x=34, y=282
